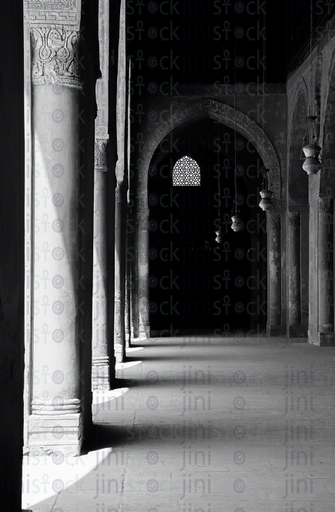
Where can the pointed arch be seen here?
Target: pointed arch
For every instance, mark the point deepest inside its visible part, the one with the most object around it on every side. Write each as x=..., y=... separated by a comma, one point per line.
x=223, y=113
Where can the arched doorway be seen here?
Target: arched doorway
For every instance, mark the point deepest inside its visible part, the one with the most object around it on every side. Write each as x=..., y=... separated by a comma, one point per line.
x=195, y=284
x=257, y=141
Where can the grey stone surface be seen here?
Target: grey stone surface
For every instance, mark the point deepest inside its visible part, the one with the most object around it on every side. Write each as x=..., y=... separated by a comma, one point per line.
x=211, y=424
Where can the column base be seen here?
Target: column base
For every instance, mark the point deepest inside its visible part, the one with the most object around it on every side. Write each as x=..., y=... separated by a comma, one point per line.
x=296, y=331
x=127, y=337
x=274, y=330
x=59, y=433
x=100, y=375
x=119, y=354
x=144, y=331
x=326, y=339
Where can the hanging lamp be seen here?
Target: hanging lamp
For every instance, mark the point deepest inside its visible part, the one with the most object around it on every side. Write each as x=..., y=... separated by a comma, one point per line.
x=266, y=193
x=312, y=160
x=266, y=202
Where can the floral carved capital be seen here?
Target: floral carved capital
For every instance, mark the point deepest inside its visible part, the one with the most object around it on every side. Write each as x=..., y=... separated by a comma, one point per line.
x=55, y=58
x=100, y=154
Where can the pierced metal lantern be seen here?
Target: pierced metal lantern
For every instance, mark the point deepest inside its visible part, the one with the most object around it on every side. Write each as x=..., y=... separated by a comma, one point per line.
x=312, y=163
x=219, y=235
x=238, y=224
x=266, y=202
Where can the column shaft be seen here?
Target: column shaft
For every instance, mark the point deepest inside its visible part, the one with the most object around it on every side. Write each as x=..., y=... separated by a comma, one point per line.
x=56, y=366
x=119, y=304
x=56, y=419
x=294, y=306
x=325, y=270
x=101, y=360
x=100, y=352
x=143, y=274
x=274, y=255
x=127, y=285
x=135, y=315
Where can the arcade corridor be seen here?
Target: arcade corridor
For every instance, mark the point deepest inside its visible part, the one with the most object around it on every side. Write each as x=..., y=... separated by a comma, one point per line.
x=203, y=425
x=100, y=100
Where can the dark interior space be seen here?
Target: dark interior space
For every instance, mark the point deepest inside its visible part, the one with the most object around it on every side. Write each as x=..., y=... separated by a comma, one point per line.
x=208, y=287
x=207, y=42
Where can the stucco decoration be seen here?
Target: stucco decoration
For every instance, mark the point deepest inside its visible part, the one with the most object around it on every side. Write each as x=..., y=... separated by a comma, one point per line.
x=55, y=57
x=47, y=12
x=224, y=114
x=100, y=154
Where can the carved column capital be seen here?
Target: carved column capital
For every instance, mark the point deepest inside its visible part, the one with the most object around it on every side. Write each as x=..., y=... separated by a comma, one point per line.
x=55, y=58
x=326, y=204
x=274, y=220
x=294, y=219
x=100, y=154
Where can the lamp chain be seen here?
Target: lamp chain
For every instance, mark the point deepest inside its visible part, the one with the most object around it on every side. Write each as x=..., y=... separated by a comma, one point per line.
x=311, y=86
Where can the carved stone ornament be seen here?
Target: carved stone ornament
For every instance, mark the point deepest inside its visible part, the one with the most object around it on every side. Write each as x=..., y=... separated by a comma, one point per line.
x=326, y=204
x=294, y=219
x=274, y=220
x=100, y=154
x=45, y=12
x=55, y=57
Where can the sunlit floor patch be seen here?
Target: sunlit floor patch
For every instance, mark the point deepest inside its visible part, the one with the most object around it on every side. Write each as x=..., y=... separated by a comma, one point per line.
x=44, y=477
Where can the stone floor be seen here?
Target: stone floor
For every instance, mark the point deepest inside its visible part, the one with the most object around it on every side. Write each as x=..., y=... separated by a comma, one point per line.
x=203, y=425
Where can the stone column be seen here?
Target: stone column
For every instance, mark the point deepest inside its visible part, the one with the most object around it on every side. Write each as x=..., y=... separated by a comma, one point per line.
x=101, y=371
x=128, y=286
x=294, y=294
x=119, y=299
x=274, y=263
x=120, y=193
x=143, y=272
x=325, y=268
x=56, y=419
x=100, y=353
x=133, y=257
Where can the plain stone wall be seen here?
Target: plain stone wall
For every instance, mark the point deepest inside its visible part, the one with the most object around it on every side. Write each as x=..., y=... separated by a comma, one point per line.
x=11, y=254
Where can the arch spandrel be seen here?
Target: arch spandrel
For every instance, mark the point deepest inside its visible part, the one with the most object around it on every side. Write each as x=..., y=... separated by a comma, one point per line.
x=297, y=189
